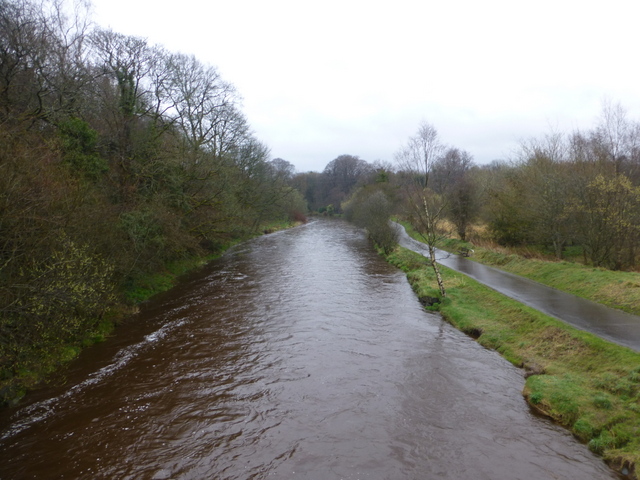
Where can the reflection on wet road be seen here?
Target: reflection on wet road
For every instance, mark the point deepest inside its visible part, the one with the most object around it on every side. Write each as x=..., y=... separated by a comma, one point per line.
x=613, y=325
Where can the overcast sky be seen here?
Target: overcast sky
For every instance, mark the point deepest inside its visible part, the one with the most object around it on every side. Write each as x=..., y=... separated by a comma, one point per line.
x=321, y=79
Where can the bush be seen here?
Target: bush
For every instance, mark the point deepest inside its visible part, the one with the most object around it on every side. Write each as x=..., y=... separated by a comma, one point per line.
x=57, y=303
x=79, y=145
x=371, y=208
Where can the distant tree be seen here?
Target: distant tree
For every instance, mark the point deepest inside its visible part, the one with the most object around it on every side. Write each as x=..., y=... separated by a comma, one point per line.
x=340, y=176
x=616, y=140
x=453, y=180
x=608, y=221
x=545, y=181
x=261, y=190
x=310, y=185
x=283, y=169
x=382, y=171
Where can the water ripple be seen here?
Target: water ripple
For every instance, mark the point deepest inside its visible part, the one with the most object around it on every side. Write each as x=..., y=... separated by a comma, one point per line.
x=297, y=355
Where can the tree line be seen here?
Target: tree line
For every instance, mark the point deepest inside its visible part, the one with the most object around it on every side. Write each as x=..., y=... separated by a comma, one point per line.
x=558, y=193
x=117, y=157
x=580, y=189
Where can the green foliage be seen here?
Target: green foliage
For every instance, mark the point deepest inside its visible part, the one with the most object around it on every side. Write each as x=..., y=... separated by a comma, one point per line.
x=602, y=400
x=607, y=214
x=79, y=143
x=536, y=398
x=104, y=188
x=143, y=229
x=370, y=207
x=73, y=282
x=509, y=228
x=143, y=287
x=59, y=304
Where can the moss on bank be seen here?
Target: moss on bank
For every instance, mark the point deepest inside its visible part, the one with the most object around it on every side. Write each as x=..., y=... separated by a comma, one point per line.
x=581, y=381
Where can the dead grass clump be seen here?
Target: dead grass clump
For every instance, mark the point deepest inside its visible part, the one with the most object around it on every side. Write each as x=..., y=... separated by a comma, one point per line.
x=555, y=343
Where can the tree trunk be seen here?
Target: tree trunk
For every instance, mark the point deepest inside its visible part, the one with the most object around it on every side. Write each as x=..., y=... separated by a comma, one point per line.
x=436, y=270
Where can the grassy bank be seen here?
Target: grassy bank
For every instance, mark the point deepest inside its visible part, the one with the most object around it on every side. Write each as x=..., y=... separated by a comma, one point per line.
x=586, y=384
x=615, y=289
x=619, y=290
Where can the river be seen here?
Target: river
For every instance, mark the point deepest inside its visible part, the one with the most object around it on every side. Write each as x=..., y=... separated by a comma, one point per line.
x=298, y=355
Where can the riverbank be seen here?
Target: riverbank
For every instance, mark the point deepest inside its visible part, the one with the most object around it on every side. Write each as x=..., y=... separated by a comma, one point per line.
x=39, y=366
x=586, y=384
x=615, y=289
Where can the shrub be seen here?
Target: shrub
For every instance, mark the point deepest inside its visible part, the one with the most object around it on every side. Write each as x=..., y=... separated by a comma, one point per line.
x=371, y=208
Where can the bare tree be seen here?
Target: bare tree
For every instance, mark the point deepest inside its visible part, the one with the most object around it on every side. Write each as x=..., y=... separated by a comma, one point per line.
x=417, y=160
x=452, y=179
x=42, y=55
x=546, y=184
x=283, y=169
x=616, y=140
x=124, y=63
x=205, y=106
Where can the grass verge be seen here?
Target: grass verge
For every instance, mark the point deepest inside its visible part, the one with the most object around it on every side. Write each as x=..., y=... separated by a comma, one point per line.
x=584, y=383
x=619, y=290
x=615, y=289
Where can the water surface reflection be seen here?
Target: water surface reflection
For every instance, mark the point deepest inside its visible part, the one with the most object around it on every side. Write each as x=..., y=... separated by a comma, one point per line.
x=298, y=355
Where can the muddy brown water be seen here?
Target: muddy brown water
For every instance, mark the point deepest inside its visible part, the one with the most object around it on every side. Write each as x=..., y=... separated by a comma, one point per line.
x=299, y=355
